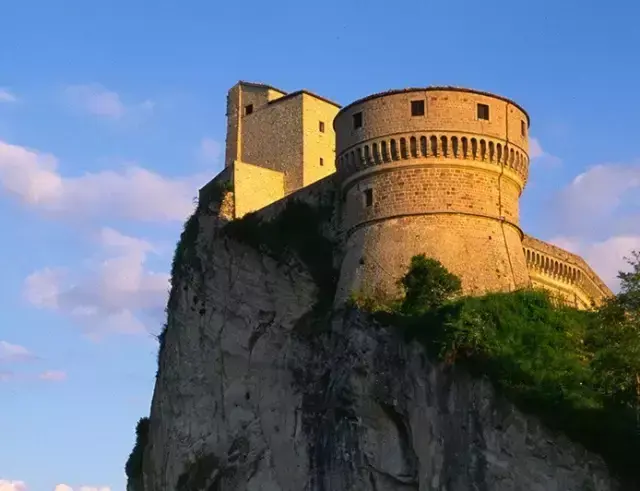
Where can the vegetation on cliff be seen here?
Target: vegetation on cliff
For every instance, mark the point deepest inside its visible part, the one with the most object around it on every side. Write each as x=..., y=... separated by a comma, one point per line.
x=577, y=370
x=133, y=467
x=297, y=230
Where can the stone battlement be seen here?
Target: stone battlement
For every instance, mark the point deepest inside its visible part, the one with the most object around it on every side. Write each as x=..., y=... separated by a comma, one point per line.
x=435, y=170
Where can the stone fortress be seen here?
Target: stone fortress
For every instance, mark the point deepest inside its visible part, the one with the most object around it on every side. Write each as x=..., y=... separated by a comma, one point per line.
x=435, y=170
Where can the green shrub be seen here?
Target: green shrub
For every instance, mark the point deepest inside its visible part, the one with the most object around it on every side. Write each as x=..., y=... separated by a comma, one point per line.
x=427, y=285
x=133, y=467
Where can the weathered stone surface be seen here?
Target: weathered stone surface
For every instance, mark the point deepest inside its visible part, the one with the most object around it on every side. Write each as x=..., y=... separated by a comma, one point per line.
x=275, y=398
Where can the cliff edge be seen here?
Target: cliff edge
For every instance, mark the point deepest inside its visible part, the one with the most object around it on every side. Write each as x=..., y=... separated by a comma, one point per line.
x=261, y=387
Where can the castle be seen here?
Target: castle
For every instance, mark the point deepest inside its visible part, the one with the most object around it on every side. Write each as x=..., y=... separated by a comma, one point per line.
x=435, y=170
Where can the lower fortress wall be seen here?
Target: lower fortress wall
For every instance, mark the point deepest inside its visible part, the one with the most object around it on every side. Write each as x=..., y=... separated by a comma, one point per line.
x=492, y=256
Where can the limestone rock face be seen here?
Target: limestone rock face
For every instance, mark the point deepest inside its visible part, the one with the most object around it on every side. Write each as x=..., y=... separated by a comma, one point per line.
x=258, y=391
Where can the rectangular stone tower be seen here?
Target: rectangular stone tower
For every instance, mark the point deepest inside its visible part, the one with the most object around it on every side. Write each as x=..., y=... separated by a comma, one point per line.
x=276, y=142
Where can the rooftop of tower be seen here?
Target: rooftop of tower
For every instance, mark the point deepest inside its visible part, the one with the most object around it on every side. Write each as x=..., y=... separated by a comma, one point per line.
x=286, y=94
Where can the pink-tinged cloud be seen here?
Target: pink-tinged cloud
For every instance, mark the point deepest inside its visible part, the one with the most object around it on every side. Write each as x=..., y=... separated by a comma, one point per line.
x=108, y=296
x=134, y=193
x=6, y=485
x=13, y=352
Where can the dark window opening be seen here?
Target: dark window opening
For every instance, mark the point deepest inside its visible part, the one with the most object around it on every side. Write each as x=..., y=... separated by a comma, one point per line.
x=368, y=197
x=417, y=108
x=523, y=128
x=248, y=109
x=321, y=125
x=321, y=161
x=483, y=112
x=357, y=120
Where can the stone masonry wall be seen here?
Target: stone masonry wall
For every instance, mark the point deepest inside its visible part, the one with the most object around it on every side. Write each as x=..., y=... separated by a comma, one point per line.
x=318, y=144
x=272, y=138
x=446, y=110
x=255, y=187
x=486, y=254
x=400, y=190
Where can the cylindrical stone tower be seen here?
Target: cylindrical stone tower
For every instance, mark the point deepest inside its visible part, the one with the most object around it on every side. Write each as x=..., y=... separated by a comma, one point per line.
x=435, y=170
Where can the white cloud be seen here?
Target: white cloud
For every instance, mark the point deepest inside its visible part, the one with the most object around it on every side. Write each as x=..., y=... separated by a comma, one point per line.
x=135, y=193
x=53, y=375
x=97, y=100
x=606, y=257
x=6, y=96
x=65, y=487
x=601, y=190
x=6, y=485
x=14, y=352
x=536, y=153
x=210, y=150
x=110, y=296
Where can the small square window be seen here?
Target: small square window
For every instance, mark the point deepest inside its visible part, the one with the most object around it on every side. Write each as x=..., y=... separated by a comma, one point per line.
x=368, y=197
x=248, y=109
x=321, y=126
x=483, y=112
x=357, y=120
x=523, y=128
x=321, y=161
x=417, y=108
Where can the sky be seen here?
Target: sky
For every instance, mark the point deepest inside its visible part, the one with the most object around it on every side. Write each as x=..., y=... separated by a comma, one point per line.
x=112, y=114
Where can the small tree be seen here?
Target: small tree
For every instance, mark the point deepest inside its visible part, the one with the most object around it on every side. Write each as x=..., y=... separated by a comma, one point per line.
x=427, y=284
x=615, y=340
x=629, y=296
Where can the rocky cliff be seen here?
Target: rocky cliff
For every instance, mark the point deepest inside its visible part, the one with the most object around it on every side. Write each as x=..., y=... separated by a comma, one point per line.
x=262, y=388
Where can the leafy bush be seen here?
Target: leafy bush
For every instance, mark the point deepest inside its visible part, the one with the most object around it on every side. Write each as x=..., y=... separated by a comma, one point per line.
x=577, y=370
x=427, y=285
x=133, y=467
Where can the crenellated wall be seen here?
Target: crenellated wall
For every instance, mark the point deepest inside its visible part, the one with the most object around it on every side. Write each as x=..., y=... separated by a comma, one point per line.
x=563, y=273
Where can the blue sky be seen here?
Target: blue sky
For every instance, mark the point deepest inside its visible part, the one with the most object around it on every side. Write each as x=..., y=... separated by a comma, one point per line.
x=113, y=113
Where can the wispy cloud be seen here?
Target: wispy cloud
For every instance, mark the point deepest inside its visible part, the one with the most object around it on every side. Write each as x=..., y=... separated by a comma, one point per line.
x=14, y=352
x=99, y=101
x=135, y=193
x=53, y=375
x=110, y=296
x=7, y=96
x=538, y=155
